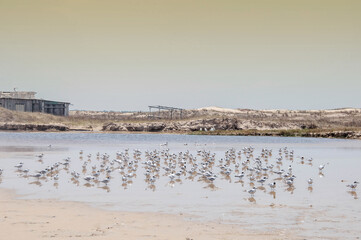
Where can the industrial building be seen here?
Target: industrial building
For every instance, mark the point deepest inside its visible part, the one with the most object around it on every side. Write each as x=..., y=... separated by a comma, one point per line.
x=26, y=102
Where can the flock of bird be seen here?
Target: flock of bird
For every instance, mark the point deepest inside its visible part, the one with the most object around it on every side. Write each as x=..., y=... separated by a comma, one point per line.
x=258, y=173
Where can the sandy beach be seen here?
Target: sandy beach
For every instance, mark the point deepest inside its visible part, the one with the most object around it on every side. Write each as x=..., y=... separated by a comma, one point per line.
x=51, y=219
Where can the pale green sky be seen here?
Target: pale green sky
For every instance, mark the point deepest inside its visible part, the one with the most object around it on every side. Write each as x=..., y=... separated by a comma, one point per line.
x=126, y=55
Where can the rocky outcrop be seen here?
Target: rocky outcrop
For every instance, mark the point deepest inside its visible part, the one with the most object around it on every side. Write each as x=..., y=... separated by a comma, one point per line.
x=255, y=128
x=135, y=127
x=197, y=125
x=32, y=127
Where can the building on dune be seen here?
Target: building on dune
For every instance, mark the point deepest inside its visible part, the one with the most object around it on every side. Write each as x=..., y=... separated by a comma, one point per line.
x=26, y=102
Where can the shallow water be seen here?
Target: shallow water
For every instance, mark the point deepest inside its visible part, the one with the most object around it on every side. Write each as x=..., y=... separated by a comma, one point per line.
x=328, y=210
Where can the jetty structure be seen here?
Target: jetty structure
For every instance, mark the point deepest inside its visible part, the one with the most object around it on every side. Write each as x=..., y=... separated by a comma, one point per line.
x=27, y=102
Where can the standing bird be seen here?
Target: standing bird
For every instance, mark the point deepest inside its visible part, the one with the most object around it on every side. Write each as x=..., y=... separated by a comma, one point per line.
x=252, y=191
x=353, y=186
x=106, y=180
x=321, y=167
x=272, y=186
x=20, y=165
x=310, y=181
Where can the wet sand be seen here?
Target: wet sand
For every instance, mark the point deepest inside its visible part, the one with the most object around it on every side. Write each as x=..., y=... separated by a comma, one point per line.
x=52, y=219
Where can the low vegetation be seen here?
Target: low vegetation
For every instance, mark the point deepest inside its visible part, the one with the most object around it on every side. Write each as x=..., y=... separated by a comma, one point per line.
x=340, y=123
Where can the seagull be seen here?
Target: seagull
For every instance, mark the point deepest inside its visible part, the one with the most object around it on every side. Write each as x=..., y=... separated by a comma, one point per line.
x=88, y=178
x=321, y=167
x=56, y=177
x=289, y=182
x=38, y=175
x=262, y=180
x=124, y=179
x=252, y=191
x=240, y=176
x=272, y=186
x=310, y=181
x=212, y=178
x=106, y=180
x=20, y=165
x=353, y=186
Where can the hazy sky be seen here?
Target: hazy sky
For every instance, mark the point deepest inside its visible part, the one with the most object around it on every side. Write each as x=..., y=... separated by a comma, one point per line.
x=126, y=55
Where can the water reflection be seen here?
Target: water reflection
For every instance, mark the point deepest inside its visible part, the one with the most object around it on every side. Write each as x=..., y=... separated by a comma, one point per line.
x=152, y=177
x=290, y=189
x=38, y=183
x=353, y=194
x=273, y=194
x=211, y=186
x=151, y=187
x=106, y=188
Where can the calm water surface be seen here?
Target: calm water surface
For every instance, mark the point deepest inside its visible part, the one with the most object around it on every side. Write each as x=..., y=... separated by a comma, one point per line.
x=327, y=210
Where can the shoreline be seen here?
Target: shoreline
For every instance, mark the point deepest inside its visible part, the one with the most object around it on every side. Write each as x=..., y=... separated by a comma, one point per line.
x=319, y=133
x=54, y=219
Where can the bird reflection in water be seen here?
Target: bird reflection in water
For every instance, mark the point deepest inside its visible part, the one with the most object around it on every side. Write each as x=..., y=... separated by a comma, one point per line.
x=106, y=188
x=151, y=187
x=75, y=181
x=354, y=194
x=241, y=182
x=171, y=183
x=211, y=186
x=38, y=183
x=310, y=188
x=228, y=178
x=290, y=189
x=88, y=185
x=252, y=199
x=273, y=194
x=191, y=177
x=261, y=188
